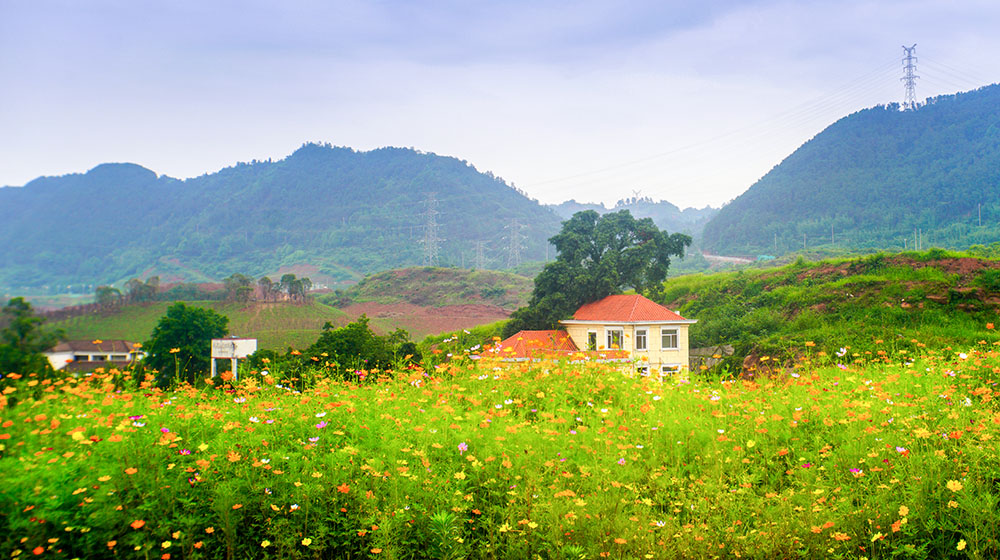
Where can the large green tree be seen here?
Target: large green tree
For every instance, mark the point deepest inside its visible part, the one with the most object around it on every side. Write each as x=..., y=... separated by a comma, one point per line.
x=181, y=342
x=598, y=256
x=22, y=339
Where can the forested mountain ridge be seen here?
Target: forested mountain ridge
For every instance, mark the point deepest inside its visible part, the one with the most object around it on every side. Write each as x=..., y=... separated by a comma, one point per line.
x=872, y=178
x=665, y=215
x=345, y=211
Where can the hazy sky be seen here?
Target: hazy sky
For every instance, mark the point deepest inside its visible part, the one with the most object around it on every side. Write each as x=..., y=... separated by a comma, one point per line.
x=689, y=102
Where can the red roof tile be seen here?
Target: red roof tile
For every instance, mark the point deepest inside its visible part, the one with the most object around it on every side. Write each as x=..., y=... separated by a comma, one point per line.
x=625, y=309
x=526, y=344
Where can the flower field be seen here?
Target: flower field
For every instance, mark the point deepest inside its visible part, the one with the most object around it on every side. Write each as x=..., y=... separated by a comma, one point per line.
x=878, y=457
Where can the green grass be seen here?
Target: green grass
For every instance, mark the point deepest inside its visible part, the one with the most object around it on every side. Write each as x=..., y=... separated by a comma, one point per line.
x=874, y=457
x=896, y=299
x=277, y=326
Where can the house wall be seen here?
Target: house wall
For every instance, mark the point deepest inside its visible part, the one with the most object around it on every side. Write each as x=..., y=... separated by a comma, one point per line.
x=653, y=357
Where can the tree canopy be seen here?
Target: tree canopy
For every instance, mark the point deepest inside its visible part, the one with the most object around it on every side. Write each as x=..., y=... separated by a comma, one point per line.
x=22, y=339
x=598, y=255
x=181, y=342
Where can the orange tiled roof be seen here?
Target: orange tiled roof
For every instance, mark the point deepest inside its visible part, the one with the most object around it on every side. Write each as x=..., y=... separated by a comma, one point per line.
x=625, y=309
x=526, y=344
x=550, y=345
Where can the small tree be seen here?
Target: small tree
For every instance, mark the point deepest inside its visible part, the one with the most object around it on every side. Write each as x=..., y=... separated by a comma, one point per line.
x=239, y=288
x=107, y=296
x=356, y=344
x=181, y=343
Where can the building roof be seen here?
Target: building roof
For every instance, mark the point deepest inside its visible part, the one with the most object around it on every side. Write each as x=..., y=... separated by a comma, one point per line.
x=625, y=309
x=94, y=346
x=554, y=345
x=527, y=344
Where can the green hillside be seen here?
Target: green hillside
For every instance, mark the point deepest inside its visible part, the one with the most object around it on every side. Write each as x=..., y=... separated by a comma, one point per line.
x=345, y=213
x=899, y=302
x=429, y=286
x=276, y=326
x=880, y=178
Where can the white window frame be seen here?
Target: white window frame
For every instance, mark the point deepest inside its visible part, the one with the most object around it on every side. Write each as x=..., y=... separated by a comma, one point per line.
x=643, y=336
x=676, y=332
x=671, y=368
x=608, y=332
x=589, y=334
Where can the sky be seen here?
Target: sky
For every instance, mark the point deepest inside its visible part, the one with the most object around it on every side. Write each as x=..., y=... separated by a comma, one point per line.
x=595, y=101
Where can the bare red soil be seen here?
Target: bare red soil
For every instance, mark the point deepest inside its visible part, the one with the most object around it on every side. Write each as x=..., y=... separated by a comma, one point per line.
x=421, y=321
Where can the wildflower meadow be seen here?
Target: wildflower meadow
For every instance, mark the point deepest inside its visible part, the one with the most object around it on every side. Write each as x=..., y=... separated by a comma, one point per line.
x=839, y=456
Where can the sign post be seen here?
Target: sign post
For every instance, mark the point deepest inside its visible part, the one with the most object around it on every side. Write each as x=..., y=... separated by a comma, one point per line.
x=233, y=349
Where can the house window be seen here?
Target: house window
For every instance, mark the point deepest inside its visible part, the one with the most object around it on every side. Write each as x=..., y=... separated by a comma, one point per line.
x=615, y=338
x=671, y=369
x=642, y=370
x=668, y=339
x=592, y=340
x=640, y=339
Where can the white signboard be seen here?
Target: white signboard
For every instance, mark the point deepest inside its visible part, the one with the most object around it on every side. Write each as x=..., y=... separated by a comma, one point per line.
x=233, y=347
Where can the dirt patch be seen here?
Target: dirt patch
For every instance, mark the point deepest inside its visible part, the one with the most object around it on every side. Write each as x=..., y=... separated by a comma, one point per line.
x=421, y=321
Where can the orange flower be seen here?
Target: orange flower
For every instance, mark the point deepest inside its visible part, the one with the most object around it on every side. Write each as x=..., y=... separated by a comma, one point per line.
x=38, y=550
x=989, y=326
x=131, y=470
x=343, y=488
x=138, y=524
x=209, y=530
x=620, y=540
x=237, y=506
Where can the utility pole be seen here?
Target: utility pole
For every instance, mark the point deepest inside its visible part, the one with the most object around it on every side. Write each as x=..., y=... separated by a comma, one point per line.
x=514, y=245
x=480, y=263
x=909, y=79
x=431, y=239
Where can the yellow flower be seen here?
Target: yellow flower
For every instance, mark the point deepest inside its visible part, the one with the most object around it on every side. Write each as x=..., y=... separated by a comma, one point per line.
x=174, y=350
x=751, y=443
x=954, y=485
x=460, y=475
x=166, y=544
x=961, y=545
x=904, y=511
x=307, y=541
x=265, y=543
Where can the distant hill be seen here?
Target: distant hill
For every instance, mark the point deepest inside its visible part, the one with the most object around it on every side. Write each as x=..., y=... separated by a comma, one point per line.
x=340, y=212
x=665, y=215
x=436, y=287
x=876, y=178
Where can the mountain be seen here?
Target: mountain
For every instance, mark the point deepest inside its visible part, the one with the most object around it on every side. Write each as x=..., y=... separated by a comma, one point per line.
x=665, y=215
x=343, y=212
x=879, y=178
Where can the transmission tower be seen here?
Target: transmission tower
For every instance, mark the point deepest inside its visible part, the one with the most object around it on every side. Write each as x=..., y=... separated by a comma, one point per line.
x=909, y=79
x=431, y=239
x=480, y=263
x=514, y=246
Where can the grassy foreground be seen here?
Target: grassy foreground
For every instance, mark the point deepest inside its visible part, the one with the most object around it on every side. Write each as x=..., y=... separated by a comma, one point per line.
x=879, y=458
